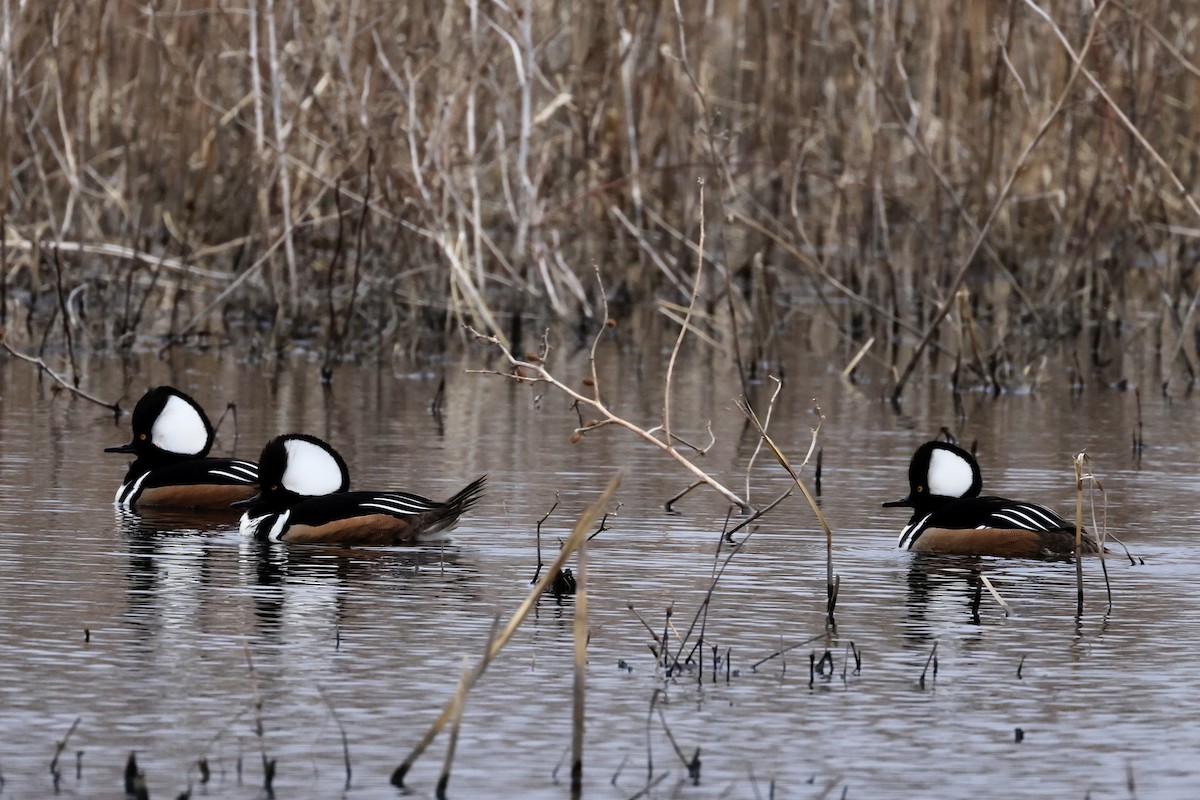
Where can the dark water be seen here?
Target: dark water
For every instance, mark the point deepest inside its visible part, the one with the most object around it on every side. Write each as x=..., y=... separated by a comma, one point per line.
x=176, y=607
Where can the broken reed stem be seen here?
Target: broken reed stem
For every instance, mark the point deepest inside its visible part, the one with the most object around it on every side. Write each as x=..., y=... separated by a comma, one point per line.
x=578, y=533
x=785, y=650
x=1078, y=461
x=995, y=594
x=683, y=329
x=832, y=581
x=530, y=372
x=931, y=660
x=59, y=747
x=581, y=640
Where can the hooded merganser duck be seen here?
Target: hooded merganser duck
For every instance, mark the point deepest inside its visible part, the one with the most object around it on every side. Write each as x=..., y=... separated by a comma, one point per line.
x=950, y=517
x=171, y=437
x=304, y=497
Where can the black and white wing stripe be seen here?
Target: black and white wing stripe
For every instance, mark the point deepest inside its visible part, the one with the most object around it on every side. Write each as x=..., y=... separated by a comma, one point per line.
x=398, y=503
x=1025, y=516
x=236, y=471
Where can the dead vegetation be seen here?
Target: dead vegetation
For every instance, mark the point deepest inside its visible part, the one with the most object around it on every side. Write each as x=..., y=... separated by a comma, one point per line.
x=978, y=182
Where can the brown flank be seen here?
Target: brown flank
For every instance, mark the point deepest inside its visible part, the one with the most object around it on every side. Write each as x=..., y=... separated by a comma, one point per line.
x=368, y=529
x=212, y=495
x=1000, y=542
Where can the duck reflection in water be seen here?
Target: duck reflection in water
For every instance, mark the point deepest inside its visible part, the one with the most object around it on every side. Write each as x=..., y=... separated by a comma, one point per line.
x=310, y=589
x=169, y=578
x=943, y=589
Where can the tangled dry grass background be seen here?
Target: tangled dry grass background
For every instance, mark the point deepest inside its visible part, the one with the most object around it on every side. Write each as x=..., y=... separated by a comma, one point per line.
x=938, y=177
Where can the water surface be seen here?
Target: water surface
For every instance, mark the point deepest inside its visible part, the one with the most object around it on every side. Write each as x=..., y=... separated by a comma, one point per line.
x=144, y=628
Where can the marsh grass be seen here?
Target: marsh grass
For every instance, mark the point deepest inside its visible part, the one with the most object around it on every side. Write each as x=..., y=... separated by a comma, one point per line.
x=364, y=178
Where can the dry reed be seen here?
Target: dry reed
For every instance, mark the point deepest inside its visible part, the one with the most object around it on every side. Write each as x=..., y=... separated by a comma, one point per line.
x=868, y=163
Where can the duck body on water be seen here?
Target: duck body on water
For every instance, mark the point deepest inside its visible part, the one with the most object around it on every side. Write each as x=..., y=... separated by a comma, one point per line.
x=304, y=497
x=299, y=492
x=170, y=444
x=950, y=516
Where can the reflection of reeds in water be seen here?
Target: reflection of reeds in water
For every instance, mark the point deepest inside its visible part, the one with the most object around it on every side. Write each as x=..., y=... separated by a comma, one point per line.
x=898, y=163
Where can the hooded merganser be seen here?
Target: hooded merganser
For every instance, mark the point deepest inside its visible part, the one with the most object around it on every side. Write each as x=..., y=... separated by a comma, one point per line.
x=171, y=437
x=304, y=497
x=950, y=517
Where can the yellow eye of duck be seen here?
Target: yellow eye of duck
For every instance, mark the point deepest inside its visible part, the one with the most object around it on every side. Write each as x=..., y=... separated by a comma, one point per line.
x=274, y=487
x=142, y=437
x=920, y=489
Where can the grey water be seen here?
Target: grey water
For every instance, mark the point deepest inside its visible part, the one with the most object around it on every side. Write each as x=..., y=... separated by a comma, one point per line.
x=161, y=633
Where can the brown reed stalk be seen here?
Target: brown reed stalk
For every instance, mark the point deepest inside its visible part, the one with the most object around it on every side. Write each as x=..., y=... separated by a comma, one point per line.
x=995, y=594
x=581, y=641
x=1078, y=461
x=832, y=582
x=578, y=533
x=459, y=703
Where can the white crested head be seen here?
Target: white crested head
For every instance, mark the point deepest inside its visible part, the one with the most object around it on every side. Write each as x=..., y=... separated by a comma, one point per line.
x=313, y=468
x=950, y=475
x=180, y=428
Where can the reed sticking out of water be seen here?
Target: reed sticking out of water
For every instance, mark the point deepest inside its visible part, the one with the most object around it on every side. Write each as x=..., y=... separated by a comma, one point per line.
x=931, y=660
x=1100, y=528
x=996, y=595
x=785, y=650
x=341, y=730
x=1078, y=461
x=692, y=765
x=851, y=649
x=59, y=747
x=832, y=582
x=496, y=644
x=268, y=764
x=65, y=317
x=581, y=640
x=135, y=780
x=712, y=586
x=538, y=535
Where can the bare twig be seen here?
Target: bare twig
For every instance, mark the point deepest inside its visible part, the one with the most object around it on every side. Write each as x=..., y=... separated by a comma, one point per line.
x=530, y=372
x=60, y=380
